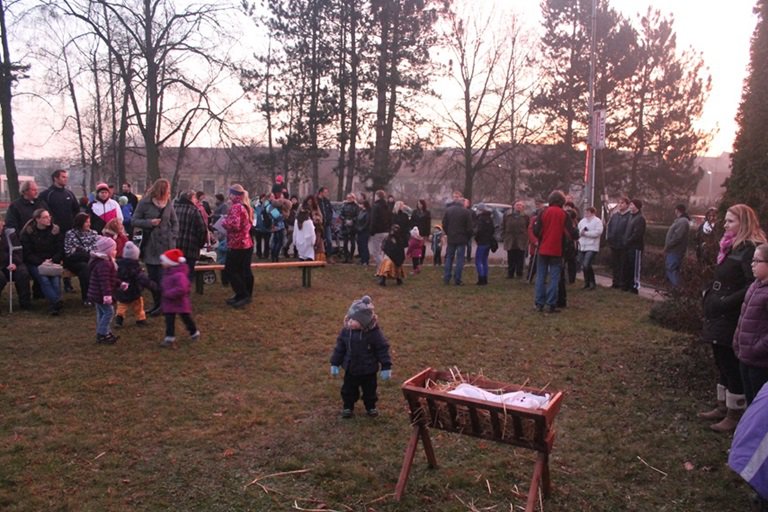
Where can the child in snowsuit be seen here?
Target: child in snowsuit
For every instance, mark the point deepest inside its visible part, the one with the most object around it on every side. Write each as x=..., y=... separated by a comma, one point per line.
x=129, y=271
x=394, y=257
x=101, y=286
x=437, y=245
x=361, y=349
x=175, y=288
x=415, y=249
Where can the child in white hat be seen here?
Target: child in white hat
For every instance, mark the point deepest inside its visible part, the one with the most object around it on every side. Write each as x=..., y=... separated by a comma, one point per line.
x=415, y=249
x=361, y=349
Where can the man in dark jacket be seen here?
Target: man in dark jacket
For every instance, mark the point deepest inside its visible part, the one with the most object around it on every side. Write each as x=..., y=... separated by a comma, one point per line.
x=634, y=243
x=380, y=223
x=63, y=206
x=132, y=199
x=61, y=201
x=193, y=232
x=676, y=244
x=21, y=210
x=457, y=225
x=324, y=203
x=617, y=226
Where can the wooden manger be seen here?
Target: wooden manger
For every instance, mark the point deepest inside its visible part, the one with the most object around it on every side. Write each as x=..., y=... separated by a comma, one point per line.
x=432, y=406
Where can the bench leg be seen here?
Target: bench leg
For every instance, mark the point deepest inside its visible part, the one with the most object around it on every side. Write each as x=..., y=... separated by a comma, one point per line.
x=199, y=282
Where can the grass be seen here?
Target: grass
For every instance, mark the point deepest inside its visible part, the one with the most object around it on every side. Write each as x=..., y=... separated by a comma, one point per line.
x=136, y=427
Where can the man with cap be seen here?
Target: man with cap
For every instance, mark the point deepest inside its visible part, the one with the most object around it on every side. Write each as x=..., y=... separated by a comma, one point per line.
x=278, y=186
x=362, y=350
x=103, y=209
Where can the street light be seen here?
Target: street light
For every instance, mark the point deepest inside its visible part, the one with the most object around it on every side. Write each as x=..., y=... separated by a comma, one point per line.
x=709, y=195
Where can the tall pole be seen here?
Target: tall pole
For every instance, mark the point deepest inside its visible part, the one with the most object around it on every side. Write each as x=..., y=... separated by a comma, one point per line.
x=589, y=189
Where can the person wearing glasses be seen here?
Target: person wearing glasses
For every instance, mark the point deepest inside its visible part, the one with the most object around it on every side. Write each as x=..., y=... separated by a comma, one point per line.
x=722, y=304
x=750, y=342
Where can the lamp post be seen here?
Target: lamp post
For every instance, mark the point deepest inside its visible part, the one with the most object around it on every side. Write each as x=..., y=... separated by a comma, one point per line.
x=709, y=194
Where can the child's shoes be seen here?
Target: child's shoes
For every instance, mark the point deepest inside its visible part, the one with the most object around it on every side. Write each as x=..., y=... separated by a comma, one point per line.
x=141, y=323
x=106, y=339
x=195, y=336
x=346, y=414
x=372, y=412
x=118, y=321
x=169, y=342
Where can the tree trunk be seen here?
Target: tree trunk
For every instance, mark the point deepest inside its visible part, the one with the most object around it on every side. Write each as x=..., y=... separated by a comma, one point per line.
x=6, y=100
x=150, y=129
x=354, y=60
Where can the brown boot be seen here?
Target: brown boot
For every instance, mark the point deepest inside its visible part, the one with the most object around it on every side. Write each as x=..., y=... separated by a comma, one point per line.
x=715, y=414
x=735, y=405
x=728, y=424
x=719, y=411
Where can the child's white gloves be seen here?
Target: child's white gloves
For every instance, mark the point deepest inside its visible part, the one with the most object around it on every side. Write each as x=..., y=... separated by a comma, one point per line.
x=385, y=374
x=334, y=371
x=107, y=300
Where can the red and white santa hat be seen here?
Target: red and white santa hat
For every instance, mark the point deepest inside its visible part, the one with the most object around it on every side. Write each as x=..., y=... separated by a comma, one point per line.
x=172, y=258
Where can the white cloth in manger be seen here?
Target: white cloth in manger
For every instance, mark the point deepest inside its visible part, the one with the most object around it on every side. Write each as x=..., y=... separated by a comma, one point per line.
x=516, y=398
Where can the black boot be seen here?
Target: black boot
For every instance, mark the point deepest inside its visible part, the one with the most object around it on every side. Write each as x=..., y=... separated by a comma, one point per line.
x=382, y=281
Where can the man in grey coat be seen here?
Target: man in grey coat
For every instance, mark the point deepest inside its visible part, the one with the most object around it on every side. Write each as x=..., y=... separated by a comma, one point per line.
x=457, y=225
x=675, y=245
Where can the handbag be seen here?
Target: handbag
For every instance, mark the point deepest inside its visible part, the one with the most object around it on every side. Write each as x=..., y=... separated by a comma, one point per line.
x=50, y=269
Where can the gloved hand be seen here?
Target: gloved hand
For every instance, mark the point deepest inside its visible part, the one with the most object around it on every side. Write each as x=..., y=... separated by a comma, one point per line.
x=107, y=300
x=385, y=374
x=124, y=286
x=334, y=371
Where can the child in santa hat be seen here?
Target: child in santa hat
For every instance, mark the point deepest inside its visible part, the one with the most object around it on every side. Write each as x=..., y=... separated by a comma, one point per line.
x=175, y=288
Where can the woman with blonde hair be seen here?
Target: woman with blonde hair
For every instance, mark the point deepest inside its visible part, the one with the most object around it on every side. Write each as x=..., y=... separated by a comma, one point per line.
x=237, y=225
x=156, y=218
x=722, y=305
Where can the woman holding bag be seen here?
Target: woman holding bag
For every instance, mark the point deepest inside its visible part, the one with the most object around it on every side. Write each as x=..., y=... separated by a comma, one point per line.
x=156, y=218
x=43, y=249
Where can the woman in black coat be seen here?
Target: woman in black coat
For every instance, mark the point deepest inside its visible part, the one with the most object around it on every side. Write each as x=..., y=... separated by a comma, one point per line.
x=42, y=242
x=722, y=305
x=422, y=220
x=402, y=220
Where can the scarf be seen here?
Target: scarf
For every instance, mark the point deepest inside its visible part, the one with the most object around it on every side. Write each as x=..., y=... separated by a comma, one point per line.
x=725, y=246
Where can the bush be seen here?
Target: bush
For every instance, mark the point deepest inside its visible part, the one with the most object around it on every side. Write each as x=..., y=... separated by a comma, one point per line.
x=681, y=309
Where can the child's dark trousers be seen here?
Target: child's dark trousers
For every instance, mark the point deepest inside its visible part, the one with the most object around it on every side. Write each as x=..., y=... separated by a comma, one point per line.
x=350, y=390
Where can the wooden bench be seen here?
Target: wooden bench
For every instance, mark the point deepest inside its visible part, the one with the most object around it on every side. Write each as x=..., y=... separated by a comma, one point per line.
x=305, y=266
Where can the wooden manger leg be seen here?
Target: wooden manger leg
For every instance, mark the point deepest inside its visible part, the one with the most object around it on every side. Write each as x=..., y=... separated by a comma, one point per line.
x=419, y=431
x=539, y=470
x=306, y=277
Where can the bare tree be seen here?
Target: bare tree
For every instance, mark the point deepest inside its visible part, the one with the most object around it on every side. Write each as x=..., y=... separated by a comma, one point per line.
x=486, y=71
x=169, y=42
x=10, y=72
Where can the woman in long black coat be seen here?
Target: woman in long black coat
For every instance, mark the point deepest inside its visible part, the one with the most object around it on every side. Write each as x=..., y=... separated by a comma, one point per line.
x=722, y=305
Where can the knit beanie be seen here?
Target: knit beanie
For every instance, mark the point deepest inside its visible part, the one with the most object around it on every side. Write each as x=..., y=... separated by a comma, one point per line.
x=130, y=251
x=123, y=200
x=102, y=186
x=415, y=232
x=172, y=258
x=638, y=203
x=103, y=246
x=361, y=311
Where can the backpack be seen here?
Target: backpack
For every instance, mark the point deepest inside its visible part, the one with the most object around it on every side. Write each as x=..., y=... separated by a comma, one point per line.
x=266, y=218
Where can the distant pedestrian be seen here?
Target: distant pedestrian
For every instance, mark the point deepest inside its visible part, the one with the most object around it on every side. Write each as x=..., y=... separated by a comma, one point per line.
x=617, y=226
x=675, y=245
x=514, y=234
x=634, y=244
x=590, y=231
x=458, y=226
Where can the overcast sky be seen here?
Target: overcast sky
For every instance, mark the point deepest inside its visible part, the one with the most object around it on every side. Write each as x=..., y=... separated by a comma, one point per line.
x=721, y=31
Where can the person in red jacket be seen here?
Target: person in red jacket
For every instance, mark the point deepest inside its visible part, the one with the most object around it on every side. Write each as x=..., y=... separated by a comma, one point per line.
x=551, y=226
